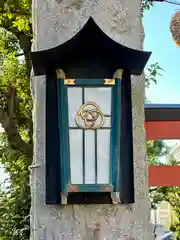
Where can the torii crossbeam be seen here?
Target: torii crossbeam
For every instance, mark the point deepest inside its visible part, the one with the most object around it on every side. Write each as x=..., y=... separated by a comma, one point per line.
x=162, y=121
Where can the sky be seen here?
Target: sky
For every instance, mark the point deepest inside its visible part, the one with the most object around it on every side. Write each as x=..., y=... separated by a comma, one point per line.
x=158, y=40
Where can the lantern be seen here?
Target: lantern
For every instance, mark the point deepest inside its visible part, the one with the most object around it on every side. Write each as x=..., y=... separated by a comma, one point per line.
x=89, y=144
x=89, y=133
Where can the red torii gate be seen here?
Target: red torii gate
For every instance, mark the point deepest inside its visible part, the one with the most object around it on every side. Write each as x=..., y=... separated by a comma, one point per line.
x=162, y=121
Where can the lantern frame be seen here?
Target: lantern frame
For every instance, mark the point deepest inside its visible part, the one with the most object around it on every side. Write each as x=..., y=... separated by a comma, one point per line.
x=114, y=161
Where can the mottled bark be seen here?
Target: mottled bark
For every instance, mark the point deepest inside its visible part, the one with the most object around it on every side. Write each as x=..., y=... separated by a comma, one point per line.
x=8, y=121
x=25, y=45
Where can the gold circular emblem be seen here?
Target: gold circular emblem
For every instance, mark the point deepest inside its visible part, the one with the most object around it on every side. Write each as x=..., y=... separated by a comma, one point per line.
x=89, y=116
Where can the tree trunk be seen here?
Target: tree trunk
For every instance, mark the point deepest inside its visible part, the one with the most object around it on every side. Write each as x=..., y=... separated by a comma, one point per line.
x=8, y=120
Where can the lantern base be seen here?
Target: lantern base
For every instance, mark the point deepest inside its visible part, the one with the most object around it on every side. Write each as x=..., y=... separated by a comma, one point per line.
x=90, y=198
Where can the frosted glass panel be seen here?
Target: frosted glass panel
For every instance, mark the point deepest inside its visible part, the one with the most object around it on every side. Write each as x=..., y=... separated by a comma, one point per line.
x=76, y=159
x=74, y=103
x=89, y=157
x=103, y=156
x=101, y=96
x=107, y=122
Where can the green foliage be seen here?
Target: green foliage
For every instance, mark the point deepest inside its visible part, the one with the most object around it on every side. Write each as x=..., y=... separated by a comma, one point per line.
x=8, y=43
x=152, y=72
x=157, y=149
x=13, y=73
x=145, y=5
x=172, y=196
x=15, y=15
x=15, y=199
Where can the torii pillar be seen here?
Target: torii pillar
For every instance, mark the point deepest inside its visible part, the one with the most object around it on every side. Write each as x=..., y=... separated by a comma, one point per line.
x=54, y=23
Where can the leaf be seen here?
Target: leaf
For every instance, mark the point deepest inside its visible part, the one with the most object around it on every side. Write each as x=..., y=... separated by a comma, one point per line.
x=151, y=74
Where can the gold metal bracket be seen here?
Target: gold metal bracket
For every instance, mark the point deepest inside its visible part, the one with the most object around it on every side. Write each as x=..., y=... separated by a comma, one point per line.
x=60, y=74
x=118, y=74
x=69, y=81
x=109, y=81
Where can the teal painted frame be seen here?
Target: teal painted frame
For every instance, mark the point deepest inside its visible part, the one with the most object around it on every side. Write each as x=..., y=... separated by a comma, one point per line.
x=63, y=134
x=89, y=83
x=114, y=141
x=115, y=134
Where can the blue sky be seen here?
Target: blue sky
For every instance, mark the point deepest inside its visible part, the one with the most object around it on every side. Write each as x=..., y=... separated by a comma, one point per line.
x=158, y=40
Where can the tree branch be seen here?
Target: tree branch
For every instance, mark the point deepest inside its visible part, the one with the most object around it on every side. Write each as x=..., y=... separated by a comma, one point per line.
x=20, y=13
x=153, y=189
x=25, y=45
x=20, y=54
x=14, y=138
x=9, y=29
x=168, y=1
x=171, y=2
x=7, y=120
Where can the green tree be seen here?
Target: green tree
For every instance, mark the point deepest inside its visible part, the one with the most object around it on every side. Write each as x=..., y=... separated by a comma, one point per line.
x=15, y=17
x=15, y=105
x=16, y=144
x=15, y=198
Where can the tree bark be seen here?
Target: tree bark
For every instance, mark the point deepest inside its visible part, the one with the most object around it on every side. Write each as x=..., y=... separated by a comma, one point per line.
x=14, y=138
x=8, y=122
x=25, y=45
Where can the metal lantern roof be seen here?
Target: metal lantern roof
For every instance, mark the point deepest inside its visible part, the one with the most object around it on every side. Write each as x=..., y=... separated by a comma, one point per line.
x=90, y=53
